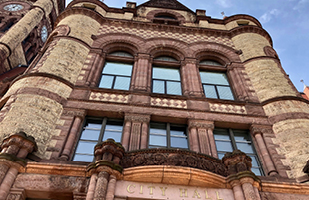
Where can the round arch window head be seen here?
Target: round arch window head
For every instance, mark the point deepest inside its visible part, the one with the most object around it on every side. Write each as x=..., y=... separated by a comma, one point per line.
x=44, y=33
x=13, y=7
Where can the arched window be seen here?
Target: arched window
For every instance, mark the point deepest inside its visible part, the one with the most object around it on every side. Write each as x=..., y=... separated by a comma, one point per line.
x=165, y=16
x=166, y=77
x=215, y=81
x=117, y=71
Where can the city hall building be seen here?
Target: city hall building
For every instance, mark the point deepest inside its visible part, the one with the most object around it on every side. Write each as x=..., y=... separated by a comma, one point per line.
x=150, y=101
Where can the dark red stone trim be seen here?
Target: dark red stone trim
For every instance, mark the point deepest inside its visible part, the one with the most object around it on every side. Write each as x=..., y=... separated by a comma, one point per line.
x=42, y=92
x=283, y=98
x=44, y=75
x=286, y=116
x=241, y=16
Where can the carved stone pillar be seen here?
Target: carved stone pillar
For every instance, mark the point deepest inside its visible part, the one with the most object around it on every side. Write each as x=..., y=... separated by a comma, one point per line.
x=96, y=68
x=105, y=170
x=15, y=148
x=16, y=194
x=257, y=132
x=138, y=135
x=191, y=78
x=239, y=169
x=202, y=137
x=140, y=75
x=73, y=133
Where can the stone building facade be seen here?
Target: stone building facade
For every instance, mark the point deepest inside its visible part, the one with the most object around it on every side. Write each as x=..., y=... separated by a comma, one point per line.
x=153, y=101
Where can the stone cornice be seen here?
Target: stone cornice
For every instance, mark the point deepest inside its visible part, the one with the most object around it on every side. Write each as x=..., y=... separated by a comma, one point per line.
x=284, y=98
x=148, y=25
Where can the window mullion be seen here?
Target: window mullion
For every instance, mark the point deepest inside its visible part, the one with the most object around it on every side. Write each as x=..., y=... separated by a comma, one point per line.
x=102, y=129
x=168, y=135
x=232, y=139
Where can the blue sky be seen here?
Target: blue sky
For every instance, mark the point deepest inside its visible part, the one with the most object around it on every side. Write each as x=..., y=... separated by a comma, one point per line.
x=287, y=22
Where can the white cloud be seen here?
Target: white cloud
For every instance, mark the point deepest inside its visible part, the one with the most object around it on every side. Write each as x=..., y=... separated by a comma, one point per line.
x=300, y=5
x=266, y=17
x=224, y=3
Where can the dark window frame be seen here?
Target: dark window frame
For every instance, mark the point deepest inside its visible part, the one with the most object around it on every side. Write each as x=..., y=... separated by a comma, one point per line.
x=219, y=70
x=112, y=58
x=168, y=135
x=105, y=121
x=158, y=63
x=234, y=146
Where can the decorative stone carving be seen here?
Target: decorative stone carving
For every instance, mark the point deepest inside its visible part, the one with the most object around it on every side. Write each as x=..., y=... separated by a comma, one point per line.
x=201, y=124
x=174, y=157
x=17, y=142
x=137, y=118
x=236, y=162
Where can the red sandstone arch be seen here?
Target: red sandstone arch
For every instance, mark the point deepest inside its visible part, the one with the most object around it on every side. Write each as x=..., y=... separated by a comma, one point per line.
x=220, y=52
x=118, y=42
x=170, y=47
x=153, y=13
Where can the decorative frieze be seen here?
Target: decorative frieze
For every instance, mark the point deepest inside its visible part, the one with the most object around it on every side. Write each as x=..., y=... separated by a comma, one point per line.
x=227, y=108
x=102, y=96
x=171, y=103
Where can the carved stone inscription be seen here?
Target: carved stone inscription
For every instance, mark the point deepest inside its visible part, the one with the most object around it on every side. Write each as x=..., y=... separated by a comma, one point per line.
x=175, y=192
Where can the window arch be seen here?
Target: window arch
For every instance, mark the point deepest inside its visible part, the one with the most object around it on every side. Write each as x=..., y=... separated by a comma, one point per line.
x=166, y=78
x=117, y=71
x=165, y=16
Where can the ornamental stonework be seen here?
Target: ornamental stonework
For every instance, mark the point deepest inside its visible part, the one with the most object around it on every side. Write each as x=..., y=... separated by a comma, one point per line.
x=107, y=97
x=171, y=103
x=226, y=108
x=148, y=33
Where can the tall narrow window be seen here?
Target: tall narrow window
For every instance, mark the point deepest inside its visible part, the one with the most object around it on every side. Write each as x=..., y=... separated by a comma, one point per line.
x=216, y=85
x=166, y=80
x=166, y=135
x=96, y=130
x=117, y=75
x=228, y=140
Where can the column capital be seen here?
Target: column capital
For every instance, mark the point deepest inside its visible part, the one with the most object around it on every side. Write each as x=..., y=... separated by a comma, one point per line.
x=135, y=117
x=237, y=162
x=196, y=123
x=260, y=129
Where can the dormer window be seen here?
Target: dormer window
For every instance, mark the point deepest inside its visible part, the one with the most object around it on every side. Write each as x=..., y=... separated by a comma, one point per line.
x=243, y=23
x=165, y=18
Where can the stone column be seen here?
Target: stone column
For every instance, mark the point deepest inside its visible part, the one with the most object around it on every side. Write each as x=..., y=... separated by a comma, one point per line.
x=191, y=78
x=16, y=147
x=72, y=135
x=237, y=83
x=96, y=69
x=244, y=183
x=201, y=140
x=16, y=34
x=105, y=170
x=141, y=73
x=138, y=132
x=257, y=132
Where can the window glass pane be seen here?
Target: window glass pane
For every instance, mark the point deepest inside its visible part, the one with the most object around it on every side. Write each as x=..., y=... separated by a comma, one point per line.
x=121, y=53
x=254, y=161
x=210, y=62
x=221, y=155
x=166, y=74
x=173, y=88
x=210, y=91
x=117, y=69
x=106, y=81
x=221, y=134
x=158, y=131
x=241, y=136
x=178, y=133
x=85, y=147
x=179, y=142
x=90, y=134
x=113, y=125
x=166, y=58
x=116, y=135
x=93, y=123
x=157, y=140
x=158, y=87
x=224, y=146
x=244, y=147
x=256, y=171
x=214, y=78
x=225, y=93
x=122, y=83
x=85, y=158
